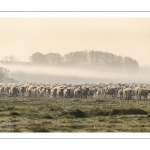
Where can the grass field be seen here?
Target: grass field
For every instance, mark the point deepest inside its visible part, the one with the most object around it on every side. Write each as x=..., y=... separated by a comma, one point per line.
x=24, y=114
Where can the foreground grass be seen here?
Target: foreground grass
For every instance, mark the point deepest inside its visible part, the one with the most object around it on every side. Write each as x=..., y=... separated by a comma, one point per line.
x=24, y=114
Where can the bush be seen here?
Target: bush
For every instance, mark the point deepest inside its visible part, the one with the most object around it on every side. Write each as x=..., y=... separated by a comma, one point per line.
x=78, y=113
x=15, y=113
x=98, y=112
x=48, y=117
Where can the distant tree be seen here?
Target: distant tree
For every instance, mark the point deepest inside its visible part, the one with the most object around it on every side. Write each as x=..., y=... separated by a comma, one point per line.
x=53, y=58
x=97, y=59
x=130, y=64
x=38, y=58
x=10, y=58
x=77, y=58
x=88, y=59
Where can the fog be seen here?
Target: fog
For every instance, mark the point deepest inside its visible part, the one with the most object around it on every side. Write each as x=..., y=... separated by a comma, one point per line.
x=121, y=36
x=92, y=42
x=57, y=74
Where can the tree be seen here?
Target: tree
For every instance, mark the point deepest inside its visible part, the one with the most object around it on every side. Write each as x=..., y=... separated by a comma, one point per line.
x=10, y=58
x=130, y=64
x=53, y=58
x=38, y=58
x=89, y=59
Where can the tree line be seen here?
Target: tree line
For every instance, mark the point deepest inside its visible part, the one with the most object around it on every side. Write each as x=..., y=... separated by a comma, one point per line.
x=81, y=59
x=89, y=59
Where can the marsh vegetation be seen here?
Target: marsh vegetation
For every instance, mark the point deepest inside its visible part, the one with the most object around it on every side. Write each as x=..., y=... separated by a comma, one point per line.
x=73, y=115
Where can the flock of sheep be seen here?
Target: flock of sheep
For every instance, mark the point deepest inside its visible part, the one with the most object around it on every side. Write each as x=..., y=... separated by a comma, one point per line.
x=107, y=91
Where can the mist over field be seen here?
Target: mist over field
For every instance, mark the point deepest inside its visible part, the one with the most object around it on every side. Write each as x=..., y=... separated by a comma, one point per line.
x=76, y=67
x=64, y=74
x=75, y=50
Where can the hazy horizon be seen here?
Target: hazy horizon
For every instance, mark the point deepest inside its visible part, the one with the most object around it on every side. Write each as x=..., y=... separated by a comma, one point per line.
x=21, y=37
x=63, y=74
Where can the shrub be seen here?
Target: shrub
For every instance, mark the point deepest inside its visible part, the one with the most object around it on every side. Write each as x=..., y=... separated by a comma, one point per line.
x=98, y=112
x=48, y=116
x=15, y=113
x=78, y=113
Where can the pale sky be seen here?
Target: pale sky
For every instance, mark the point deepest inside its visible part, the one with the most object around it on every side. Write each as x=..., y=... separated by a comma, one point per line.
x=21, y=37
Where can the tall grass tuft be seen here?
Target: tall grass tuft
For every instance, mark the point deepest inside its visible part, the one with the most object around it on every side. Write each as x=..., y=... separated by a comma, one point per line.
x=98, y=112
x=46, y=116
x=14, y=113
x=78, y=113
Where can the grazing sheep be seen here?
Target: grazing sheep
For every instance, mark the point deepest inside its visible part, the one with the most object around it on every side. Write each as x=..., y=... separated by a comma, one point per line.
x=92, y=92
x=128, y=93
x=48, y=92
x=98, y=93
x=14, y=91
x=142, y=92
x=72, y=92
x=60, y=92
x=77, y=93
x=123, y=91
x=84, y=91
x=67, y=93
x=120, y=93
x=22, y=90
x=53, y=92
x=109, y=91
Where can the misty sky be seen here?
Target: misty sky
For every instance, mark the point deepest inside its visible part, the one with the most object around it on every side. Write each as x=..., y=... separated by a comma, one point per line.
x=22, y=37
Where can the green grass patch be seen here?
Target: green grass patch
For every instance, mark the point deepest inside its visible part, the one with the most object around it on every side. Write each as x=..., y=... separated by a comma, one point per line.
x=16, y=130
x=74, y=115
x=39, y=129
x=11, y=108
